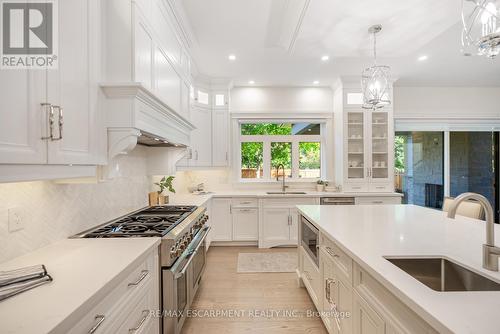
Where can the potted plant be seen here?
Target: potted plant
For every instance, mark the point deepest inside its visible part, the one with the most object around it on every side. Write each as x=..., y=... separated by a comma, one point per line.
x=320, y=185
x=157, y=197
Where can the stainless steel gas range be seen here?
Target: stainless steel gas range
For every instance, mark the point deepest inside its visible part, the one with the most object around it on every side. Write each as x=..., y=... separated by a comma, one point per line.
x=183, y=231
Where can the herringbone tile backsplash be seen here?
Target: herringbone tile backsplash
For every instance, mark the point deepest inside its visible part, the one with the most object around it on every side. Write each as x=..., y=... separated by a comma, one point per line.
x=56, y=211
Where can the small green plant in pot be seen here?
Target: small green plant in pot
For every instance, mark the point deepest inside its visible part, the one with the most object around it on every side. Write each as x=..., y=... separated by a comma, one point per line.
x=320, y=185
x=157, y=197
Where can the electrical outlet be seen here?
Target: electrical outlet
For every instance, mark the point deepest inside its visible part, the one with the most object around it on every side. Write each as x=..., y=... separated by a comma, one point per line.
x=17, y=219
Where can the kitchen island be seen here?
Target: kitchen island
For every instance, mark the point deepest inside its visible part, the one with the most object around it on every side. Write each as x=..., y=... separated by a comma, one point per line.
x=386, y=299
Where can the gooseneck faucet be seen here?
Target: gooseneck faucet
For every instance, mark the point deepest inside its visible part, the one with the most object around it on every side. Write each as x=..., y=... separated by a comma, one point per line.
x=283, y=187
x=491, y=253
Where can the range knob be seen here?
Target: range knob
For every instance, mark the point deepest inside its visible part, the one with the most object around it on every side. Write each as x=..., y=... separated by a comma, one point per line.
x=173, y=251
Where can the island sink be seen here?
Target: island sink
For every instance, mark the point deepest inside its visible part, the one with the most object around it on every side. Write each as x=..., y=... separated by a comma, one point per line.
x=443, y=275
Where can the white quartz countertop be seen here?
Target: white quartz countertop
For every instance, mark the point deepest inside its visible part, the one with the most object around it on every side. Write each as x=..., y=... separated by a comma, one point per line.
x=83, y=270
x=193, y=199
x=368, y=233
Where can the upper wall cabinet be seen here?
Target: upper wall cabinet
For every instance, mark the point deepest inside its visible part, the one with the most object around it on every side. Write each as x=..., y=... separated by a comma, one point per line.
x=367, y=141
x=152, y=54
x=210, y=141
x=53, y=116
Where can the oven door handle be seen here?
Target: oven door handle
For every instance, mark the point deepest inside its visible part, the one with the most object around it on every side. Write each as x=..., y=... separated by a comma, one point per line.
x=192, y=253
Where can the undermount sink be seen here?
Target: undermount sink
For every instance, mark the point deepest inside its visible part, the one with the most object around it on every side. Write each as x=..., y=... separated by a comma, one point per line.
x=286, y=193
x=444, y=275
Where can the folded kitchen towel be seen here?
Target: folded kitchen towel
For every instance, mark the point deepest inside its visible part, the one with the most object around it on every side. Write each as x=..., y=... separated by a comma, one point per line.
x=22, y=274
x=18, y=287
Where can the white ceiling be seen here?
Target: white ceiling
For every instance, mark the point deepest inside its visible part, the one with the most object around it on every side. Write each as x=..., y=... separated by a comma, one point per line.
x=280, y=42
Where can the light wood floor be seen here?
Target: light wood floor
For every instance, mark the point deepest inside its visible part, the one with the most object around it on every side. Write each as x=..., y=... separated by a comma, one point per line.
x=222, y=288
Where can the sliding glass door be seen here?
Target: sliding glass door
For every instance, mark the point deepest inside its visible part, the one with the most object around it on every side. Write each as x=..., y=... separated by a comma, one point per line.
x=420, y=167
x=473, y=159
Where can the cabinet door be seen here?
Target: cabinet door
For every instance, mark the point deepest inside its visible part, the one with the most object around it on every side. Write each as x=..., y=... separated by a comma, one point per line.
x=276, y=227
x=380, y=148
x=74, y=86
x=365, y=319
x=294, y=226
x=201, y=142
x=356, y=166
x=220, y=127
x=221, y=222
x=22, y=118
x=245, y=224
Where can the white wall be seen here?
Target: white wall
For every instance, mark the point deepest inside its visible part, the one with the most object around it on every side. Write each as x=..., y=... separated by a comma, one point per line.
x=447, y=102
x=57, y=211
x=281, y=99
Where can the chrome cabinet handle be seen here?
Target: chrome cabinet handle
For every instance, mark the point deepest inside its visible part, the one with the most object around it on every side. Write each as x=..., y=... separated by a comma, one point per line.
x=227, y=156
x=247, y=202
x=100, y=318
x=50, y=116
x=60, y=122
x=328, y=292
x=377, y=202
x=144, y=273
x=331, y=252
x=145, y=314
x=196, y=154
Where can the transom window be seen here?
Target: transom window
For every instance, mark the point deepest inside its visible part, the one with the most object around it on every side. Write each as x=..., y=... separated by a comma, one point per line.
x=292, y=145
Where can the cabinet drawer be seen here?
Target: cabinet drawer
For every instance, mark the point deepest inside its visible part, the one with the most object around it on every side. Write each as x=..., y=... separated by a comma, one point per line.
x=311, y=277
x=377, y=200
x=341, y=259
x=382, y=187
x=401, y=317
x=142, y=317
x=245, y=202
x=109, y=314
x=354, y=187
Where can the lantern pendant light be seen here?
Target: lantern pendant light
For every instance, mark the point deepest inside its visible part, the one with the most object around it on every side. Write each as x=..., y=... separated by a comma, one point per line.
x=376, y=80
x=481, y=27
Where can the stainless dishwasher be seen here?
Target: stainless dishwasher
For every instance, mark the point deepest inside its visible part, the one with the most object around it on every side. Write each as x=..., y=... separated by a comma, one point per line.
x=337, y=201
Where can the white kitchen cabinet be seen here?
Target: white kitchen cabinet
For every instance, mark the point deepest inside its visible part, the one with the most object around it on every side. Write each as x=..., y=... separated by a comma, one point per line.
x=122, y=310
x=143, y=60
x=367, y=141
x=276, y=227
x=22, y=118
x=80, y=124
x=245, y=224
x=201, y=143
x=279, y=221
x=336, y=296
x=366, y=320
x=310, y=275
x=221, y=222
x=220, y=137
x=71, y=94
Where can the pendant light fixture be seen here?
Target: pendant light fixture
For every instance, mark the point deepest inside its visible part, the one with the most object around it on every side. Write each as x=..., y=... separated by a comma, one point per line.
x=376, y=80
x=481, y=27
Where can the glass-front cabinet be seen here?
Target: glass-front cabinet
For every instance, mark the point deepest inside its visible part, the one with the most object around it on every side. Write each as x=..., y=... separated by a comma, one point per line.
x=356, y=146
x=368, y=137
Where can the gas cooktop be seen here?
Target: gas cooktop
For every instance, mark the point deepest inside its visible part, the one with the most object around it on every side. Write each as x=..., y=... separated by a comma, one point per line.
x=155, y=221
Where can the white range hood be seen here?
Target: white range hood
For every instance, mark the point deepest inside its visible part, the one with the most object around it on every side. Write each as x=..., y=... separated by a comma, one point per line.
x=135, y=116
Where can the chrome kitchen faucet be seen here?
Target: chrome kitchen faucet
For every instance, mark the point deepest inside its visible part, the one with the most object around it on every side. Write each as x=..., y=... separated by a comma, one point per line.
x=491, y=253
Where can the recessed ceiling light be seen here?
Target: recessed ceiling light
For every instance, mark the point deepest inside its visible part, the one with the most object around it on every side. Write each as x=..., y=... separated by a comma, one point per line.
x=251, y=82
x=422, y=58
x=315, y=82
x=325, y=58
x=231, y=57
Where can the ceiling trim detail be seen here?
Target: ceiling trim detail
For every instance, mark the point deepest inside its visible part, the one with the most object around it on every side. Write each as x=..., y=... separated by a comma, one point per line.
x=285, y=22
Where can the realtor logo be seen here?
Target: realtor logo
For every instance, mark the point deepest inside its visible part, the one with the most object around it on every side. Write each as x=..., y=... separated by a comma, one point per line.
x=29, y=34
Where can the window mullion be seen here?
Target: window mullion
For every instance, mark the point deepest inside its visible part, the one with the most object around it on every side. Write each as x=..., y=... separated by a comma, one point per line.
x=267, y=160
x=295, y=159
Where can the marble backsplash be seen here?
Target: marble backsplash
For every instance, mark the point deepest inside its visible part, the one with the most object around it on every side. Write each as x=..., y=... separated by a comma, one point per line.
x=56, y=211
